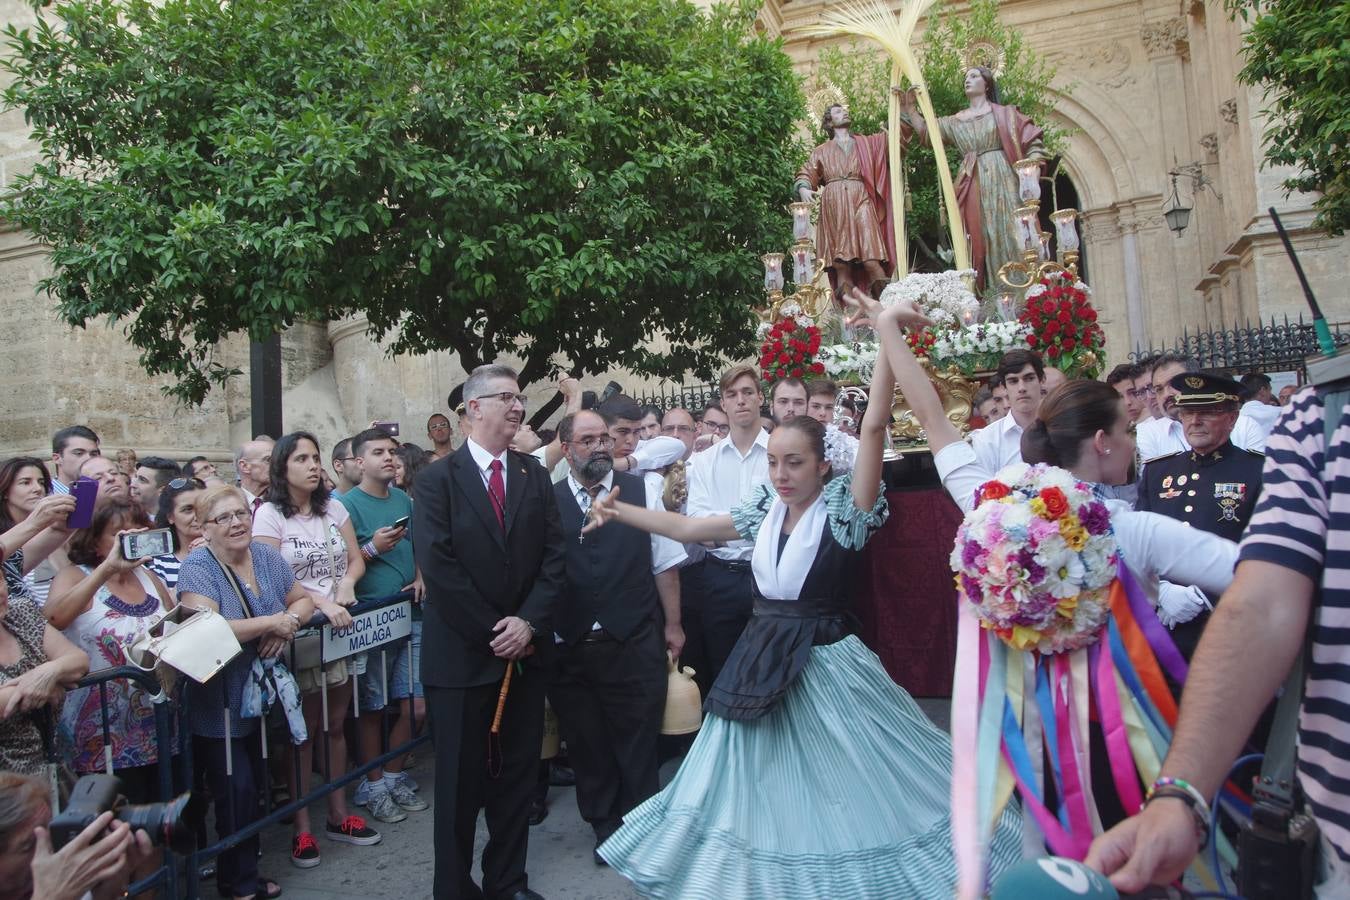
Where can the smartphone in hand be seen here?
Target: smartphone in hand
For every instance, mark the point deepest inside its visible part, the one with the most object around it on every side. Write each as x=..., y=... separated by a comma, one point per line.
x=389, y=428
x=140, y=544
x=85, y=492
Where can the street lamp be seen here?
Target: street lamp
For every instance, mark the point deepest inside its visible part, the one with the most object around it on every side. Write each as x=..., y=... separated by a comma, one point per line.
x=1177, y=216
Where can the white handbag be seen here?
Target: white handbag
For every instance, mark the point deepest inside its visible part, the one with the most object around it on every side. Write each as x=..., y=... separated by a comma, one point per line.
x=193, y=640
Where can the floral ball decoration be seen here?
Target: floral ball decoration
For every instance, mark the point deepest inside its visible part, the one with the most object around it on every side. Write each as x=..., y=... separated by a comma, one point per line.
x=789, y=351
x=921, y=341
x=1036, y=558
x=1063, y=324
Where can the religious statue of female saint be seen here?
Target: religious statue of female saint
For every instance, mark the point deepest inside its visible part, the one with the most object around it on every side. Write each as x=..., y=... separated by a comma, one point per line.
x=991, y=138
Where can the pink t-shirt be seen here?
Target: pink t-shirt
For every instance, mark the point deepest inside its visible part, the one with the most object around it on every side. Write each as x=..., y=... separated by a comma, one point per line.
x=302, y=545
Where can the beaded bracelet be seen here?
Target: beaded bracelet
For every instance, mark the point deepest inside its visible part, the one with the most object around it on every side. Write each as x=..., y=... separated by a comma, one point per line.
x=1188, y=795
x=368, y=550
x=1186, y=786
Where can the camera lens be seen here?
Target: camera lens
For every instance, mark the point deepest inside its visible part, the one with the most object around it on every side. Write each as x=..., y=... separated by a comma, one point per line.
x=170, y=824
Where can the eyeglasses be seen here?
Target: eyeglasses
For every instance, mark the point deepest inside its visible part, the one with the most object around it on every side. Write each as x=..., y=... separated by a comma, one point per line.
x=720, y=429
x=1139, y=393
x=507, y=397
x=229, y=518
x=588, y=443
x=442, y=426
x=179, y=483
x=338, y=459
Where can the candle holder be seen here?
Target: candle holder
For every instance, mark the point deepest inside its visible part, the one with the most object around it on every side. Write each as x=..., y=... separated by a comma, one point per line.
x=1028, y=181
x=1036, y=263
x=801, y=220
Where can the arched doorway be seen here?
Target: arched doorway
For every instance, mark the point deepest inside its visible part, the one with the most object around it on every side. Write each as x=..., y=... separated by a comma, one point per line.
x=1062, y=194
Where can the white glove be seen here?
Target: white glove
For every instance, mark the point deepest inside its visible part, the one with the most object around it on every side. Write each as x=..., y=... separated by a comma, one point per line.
x=1177, y=604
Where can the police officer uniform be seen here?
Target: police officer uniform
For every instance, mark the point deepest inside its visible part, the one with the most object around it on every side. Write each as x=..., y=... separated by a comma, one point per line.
x=1214, y=492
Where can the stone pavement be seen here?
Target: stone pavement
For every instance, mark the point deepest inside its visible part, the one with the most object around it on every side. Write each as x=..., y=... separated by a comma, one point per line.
x=400, y=866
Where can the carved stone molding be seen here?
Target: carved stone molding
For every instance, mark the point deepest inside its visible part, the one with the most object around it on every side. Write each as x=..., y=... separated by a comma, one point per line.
x=1228, y=111
x=1108, y=64
x=1166, y=38
x=1210, y=143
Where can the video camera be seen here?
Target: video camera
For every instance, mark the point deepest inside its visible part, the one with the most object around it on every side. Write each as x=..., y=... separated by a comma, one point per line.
x=171, y=824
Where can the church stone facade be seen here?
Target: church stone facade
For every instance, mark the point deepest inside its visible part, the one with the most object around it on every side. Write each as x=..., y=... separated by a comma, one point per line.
x=1143, y=85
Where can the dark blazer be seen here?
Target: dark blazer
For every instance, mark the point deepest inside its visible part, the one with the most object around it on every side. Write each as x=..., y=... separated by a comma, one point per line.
x=474, y=575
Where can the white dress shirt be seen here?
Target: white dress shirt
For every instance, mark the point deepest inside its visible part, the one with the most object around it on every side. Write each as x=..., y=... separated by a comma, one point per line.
x=1255, y=424
x=720, y=477
x=657, y=453
x=666, y=553
x=483, y=460
x=999, y=444
x=1160, y=437
x=1165, y=436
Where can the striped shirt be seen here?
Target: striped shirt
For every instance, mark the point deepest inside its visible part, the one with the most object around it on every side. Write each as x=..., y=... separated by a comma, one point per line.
x=1302, y=522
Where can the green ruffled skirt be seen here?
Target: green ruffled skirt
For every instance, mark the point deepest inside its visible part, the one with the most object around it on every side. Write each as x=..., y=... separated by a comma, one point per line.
x=840, y=791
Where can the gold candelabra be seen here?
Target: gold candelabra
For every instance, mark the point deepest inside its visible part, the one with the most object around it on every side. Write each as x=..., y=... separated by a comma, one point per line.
x=812, y=291
x=1036, y=263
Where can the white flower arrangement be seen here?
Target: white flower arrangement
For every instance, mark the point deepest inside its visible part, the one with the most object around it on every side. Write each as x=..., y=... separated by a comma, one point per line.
x=849, y=362
x=976, y=347
x=944, y=297
x=1041, y=287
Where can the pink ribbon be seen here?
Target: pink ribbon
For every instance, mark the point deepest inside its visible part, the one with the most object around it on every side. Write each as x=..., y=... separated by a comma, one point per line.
x=1075, y=802
x=1113, y=730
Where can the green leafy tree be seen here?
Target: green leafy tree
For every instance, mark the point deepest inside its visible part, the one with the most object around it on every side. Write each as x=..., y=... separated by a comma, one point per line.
x=1299, y=52
x=566, y=180
x=862, y=73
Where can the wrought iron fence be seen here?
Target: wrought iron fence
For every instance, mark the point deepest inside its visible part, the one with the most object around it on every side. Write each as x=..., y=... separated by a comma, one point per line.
x=1278, y=346
x=692, y=397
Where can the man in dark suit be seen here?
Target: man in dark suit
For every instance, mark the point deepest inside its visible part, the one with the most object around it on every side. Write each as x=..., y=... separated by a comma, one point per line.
x=620, y=614
x=489, y=543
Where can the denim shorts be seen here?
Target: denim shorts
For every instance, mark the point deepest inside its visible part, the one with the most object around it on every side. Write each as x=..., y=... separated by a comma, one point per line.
x=401, y=683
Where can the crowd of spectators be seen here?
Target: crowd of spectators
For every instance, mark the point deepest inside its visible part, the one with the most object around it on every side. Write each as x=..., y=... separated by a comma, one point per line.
x=279, y=536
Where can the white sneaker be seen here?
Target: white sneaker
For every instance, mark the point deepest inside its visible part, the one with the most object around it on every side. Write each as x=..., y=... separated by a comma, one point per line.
x=407, y=780
x=382, y=806
x=406, y=798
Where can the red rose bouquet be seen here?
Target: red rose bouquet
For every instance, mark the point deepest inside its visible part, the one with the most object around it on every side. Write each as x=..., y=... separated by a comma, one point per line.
x=789, y=351
x=1063, y=324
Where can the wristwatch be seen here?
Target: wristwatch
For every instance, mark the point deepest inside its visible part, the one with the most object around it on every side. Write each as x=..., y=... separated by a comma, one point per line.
x=534, y=632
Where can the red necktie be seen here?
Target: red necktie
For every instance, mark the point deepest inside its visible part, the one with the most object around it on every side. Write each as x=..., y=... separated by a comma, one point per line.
x=257, y=503
x=497, y=491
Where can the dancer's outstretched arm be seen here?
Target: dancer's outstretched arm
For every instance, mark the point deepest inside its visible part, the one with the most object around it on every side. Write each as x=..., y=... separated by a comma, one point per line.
x=685, y=529
x=872, y=432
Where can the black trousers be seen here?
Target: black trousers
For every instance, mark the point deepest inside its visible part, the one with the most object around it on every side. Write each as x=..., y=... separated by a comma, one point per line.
x=460, y=719
x=609, y=696
x=715, y=603
x=238, y=800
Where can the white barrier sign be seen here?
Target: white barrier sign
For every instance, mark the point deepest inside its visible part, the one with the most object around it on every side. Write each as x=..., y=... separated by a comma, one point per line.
x=368, y=631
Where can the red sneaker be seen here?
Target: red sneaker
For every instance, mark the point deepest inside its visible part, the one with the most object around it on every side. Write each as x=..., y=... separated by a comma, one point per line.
x=304, y=851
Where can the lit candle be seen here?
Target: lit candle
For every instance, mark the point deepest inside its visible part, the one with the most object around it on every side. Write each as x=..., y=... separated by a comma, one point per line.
x=773, y=271
x=801, y=265
x=1066, y=229
x=801, y=220
x=968, y=317
x=1027, y=228
x=1007, y=306
x=1028, y=180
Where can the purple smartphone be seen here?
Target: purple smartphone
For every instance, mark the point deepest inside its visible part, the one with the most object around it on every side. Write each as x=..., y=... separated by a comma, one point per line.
x=84, y=490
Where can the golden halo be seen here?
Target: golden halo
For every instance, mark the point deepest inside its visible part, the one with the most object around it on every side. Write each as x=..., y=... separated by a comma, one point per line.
x=825, y=96
x=983, y=52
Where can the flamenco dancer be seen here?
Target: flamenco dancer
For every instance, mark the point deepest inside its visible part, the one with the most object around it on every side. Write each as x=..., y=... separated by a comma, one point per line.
x=1109, y=672
x=814, y=774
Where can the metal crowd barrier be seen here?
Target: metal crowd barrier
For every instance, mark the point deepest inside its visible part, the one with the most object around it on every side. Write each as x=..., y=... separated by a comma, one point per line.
x=275, y=815
x=166, y=879
x=166, y=876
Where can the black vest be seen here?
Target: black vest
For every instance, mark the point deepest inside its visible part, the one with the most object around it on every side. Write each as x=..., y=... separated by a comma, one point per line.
x=609, y=573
